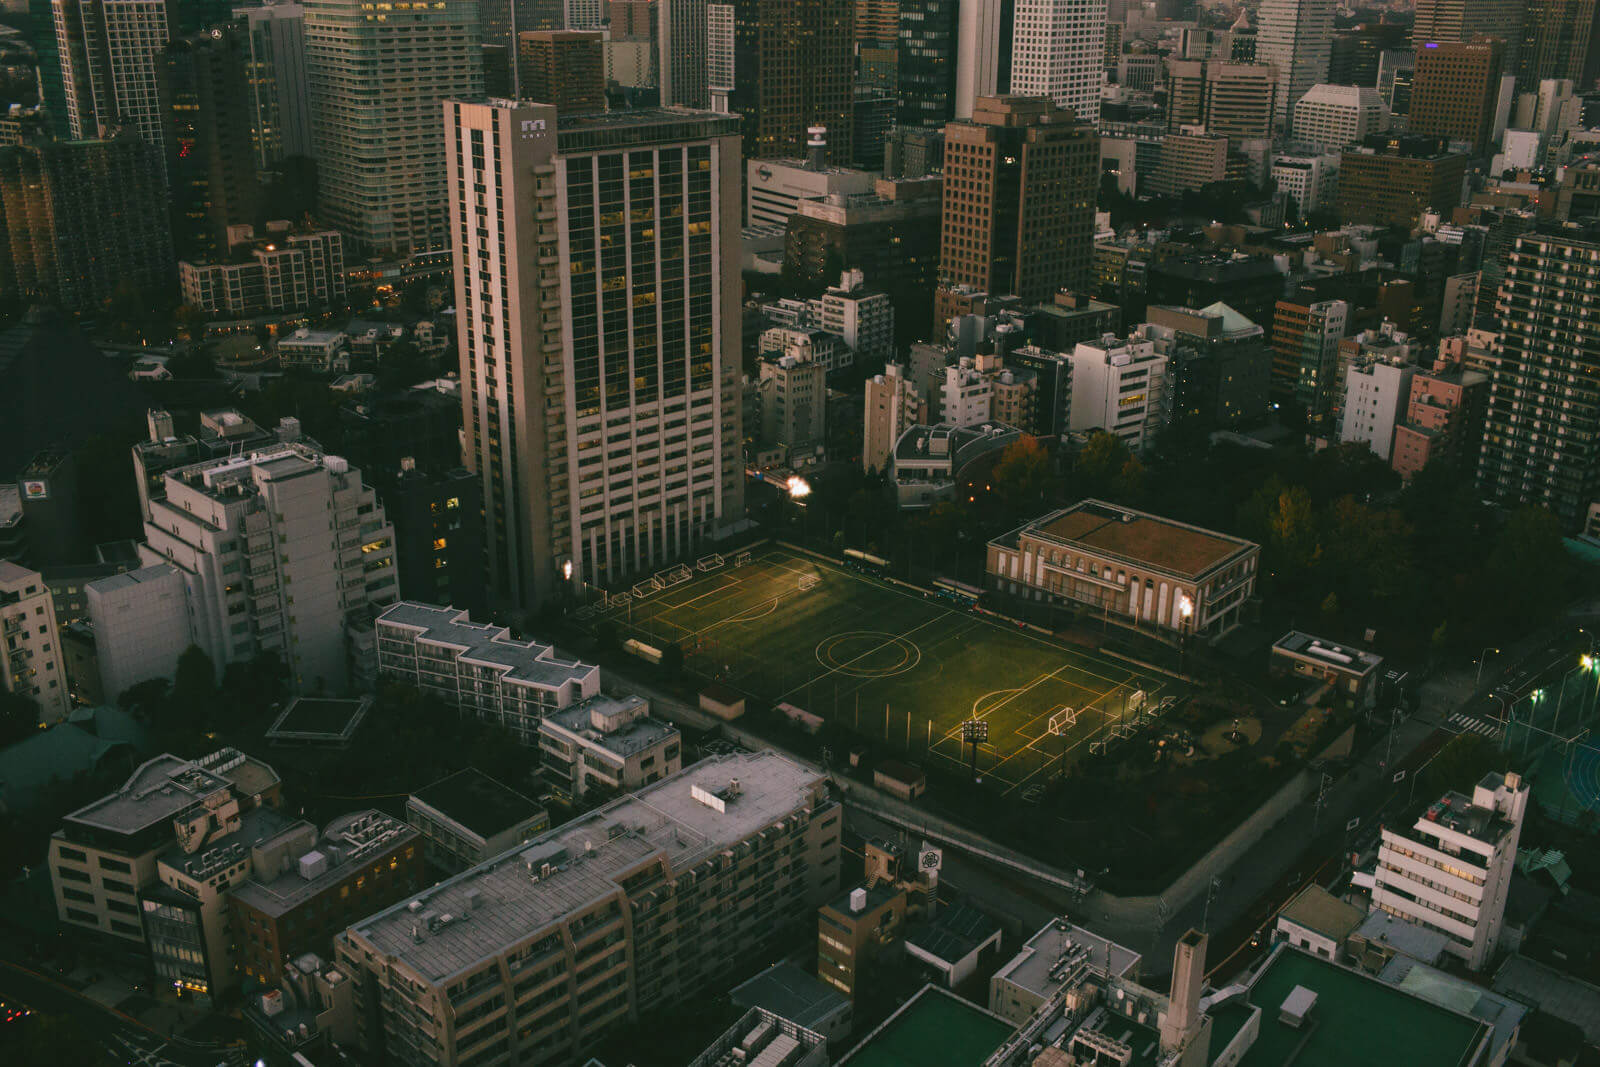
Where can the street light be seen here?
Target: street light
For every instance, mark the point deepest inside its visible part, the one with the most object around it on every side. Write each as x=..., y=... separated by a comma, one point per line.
x=1483, y=658
x=1185, y=613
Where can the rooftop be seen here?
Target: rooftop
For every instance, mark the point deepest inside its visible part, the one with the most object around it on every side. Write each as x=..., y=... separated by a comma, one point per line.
x=1457, y=812
x=1319, y=911
x=942, y=442
x=784, y=989
x=511, y=898
x=347, y=843
x=487, y=645
x=1327, y=653
x=478, y=802
x=934, y=1026
x=956, y=933
x=164, y=787
x=1356, y=1019
x=1407, y=938
x=1138, y=537
x=1502, y=1014
x=319, y=719
x=877, y=897
x=1061, y=948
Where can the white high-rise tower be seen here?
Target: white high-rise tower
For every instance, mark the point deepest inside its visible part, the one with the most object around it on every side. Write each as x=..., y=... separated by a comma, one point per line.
x=1058, y=50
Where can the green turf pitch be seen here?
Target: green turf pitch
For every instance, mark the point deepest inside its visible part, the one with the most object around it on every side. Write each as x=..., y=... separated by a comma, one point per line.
x=893, y=664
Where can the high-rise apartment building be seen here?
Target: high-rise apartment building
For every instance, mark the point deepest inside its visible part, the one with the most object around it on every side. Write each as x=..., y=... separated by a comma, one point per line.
x=109, y=52
x=1541, y=438
x=1557, y=36
x=279, y=106
x=282, y=549
x=1240, y=99
x=1296, y=37
x=284, y=271
x=1451, y=871
x=376, y=83
x=925, y=74
x=1058, y=50
x=566, y=68
x=82, y=220
x=1305, y=353
x=1330, y=118
x=895, y=403
x=792, y=391
x=598, y=334
x=792, y=69
x=1393, y=181
x=641, y=904
x=1021, y=177
x=685, y=63
x=211, y=161
x=1454, y=89
x=1120, y=385
x=31, y=657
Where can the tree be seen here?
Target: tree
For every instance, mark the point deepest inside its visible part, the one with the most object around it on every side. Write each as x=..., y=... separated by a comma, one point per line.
x=57, y=1040
x=1022, y=478
x=1100, y=464
x=19, y=717
x=1527, y=572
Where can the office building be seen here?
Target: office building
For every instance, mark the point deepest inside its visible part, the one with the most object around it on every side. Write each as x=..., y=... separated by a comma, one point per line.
x=1120, y=386
x=140, y=626
x=375, y=88
x=1312, y=182
x=682, y=45
x=607, y=743
x=1057, y=50
x=1218, y=365
x=861, y=315
x=211, y=166
x=1376, y=394
x=791, y=68
x=1443, y=418
x=31, y=655
x=80, y=221
x=1250, y=286
x=1454, y=90
x=278, y=99
x=792, y=395
x=284, y=271
x=1392, y=182
x=925, y=72
x=985, y=37
x=633, y=340
x=1354, y=54
x=1069, y=317
x=854, y=930
x=1149, y=570
x=774, y=188
x=636, y=906
x=1540, y=433
x=566, y=68
x=1557, y=39
x=1451, y=871
x=1189, y=161
x=109, y=52
x=103, y=859
x=894, y=404
x=1469, y=20
x=261, y=569
x=1305, y=353
x=1295, y=37
x=1240, y=100
x=1021, y=178
x=1330, y=118
x=467, y=818
x=1036, y=975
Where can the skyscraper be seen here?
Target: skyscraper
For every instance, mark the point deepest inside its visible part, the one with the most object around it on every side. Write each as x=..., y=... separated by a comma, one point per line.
x=108, y=51
x=376, y=83
x=1058, y=50
x=210, y=159
x=1018, y=216
x=1465, y=20
x=984, y=38
x=792, y=69
x=926, y=70
x=280, y=109
x=1454, y=90
x=599, y=336
x=1541, y=439
x=1296, y=36
x=566, y=68
x=682, y=46
x=1557, y=36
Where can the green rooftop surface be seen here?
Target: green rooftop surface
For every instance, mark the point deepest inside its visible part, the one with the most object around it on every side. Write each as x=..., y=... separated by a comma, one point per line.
x=1356, y=1020
x=317, y=715
x=1226, y=1021
x=933, y=1027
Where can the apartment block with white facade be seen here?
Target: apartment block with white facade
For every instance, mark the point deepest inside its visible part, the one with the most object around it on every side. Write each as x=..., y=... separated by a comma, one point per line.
x=1376, y=395
x=1330, y=118
x=1451, y=871
x=609, y=743
x=1119, y=385
x=636, y=906
x=141, y=625
x=30, y=644
x=862, y=316
x=282, y=549
x=1312, y=181
x=478, y=668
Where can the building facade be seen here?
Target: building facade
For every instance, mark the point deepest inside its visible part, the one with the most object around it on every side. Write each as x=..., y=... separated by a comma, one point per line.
x=1296, y=37
x=1119, y=385
x=786, y=65
x=894, y=404
x=286, y=272
x=109, y=52
x=31, y=655
x=280, y=108
x=602, y=415
x=1147, y=570
x=468, y=818
x=639, y=905
x=1330, y=118
x=1454, y=90
x=1395, y=182
x=566, y=68
x=609, y=744
x=211, y=169
x=1057, y=50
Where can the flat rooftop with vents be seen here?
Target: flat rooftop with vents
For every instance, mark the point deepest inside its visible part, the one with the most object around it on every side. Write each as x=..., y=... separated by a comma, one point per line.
x=478, y=802
x=933, y=1027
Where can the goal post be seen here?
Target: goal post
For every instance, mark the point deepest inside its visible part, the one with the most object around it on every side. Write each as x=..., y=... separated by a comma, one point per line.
x=1063, y=719
x=741, y=558
x=710, y=563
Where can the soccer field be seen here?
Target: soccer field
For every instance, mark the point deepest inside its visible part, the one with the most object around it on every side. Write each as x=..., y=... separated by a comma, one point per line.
x=893, y=664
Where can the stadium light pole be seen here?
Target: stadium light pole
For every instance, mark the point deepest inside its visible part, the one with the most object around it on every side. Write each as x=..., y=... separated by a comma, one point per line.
x=1185, y=626
x=974, y=732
